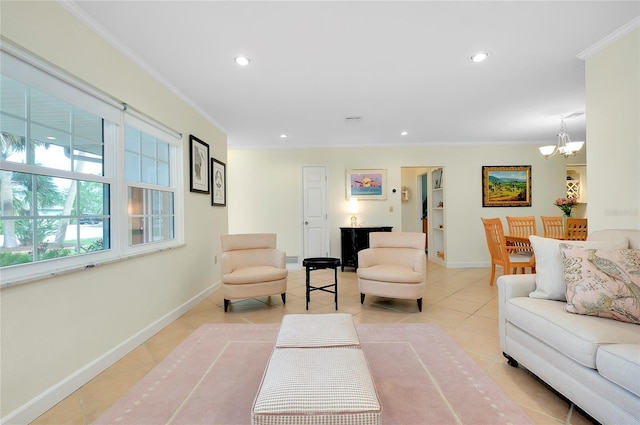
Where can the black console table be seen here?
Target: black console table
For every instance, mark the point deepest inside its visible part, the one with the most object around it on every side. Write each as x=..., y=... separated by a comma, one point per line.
x=354, y=239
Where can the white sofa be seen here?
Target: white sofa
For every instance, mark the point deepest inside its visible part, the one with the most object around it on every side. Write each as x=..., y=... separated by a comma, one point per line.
x=593, y=361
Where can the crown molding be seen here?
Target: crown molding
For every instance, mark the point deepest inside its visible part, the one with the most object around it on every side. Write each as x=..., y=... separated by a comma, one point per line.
x=610, y=39
x=82, y=16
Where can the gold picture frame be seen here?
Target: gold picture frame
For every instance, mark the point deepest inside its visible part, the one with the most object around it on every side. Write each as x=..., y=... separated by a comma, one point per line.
x=506, y=186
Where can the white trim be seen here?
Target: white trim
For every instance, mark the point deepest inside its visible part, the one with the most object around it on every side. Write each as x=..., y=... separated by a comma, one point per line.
x=609, y=39
x=465, y=265
x=58, y=392
x=143, y=122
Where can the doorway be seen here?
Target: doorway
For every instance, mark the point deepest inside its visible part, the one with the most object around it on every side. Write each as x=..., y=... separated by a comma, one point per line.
x=315, y=237
x=414, y=210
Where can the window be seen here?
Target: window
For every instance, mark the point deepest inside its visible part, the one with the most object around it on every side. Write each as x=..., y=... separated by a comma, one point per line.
x=65, y=200
x=150, y=195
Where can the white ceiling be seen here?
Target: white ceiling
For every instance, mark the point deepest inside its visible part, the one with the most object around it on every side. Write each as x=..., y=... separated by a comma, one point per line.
x=401, y=66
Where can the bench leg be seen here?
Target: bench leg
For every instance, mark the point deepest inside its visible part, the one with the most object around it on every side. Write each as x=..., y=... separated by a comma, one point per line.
x=419, y=304
x=284, y=297
x=226, y=305
x=361, y=298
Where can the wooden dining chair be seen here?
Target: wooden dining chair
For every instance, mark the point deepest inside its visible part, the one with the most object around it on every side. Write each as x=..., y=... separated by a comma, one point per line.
x=552, y=227
x=522, y=226
x=508, y=258
x=575, y=229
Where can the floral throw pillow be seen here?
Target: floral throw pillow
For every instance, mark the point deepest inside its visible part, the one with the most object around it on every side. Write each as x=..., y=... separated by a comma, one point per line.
x=604, y=283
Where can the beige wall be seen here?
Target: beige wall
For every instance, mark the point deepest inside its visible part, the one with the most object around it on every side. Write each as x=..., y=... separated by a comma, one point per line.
x=274, y=203
x=53, y=328
x=54, y=331
x=613, y=135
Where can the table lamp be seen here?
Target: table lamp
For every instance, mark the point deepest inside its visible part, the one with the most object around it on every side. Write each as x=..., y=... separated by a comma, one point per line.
x=354, y=209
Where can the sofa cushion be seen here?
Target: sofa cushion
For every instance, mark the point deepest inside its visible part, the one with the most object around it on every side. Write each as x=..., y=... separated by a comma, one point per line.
x=604, y=283
x=576, y=336
x=390, y=273
x=549, y=271
x=317, y=330
x=315, y=387
x=620, y=363
x=254, y=275
x=632, y=236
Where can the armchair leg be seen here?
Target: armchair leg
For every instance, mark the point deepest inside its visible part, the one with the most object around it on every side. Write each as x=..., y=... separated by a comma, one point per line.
x=226, y=305
x=361, y=298
x=284, y=297
x=419, y=304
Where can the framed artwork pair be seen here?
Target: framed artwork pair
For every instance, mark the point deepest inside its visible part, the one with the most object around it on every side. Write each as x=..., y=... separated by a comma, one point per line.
x=206, y=175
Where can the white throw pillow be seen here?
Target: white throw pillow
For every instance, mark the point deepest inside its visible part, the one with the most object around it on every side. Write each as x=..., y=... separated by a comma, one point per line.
x=549, y=268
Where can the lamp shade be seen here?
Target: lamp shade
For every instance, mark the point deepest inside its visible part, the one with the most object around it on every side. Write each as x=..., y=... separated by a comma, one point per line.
x=353, y=206
x=574, y=146
x=547, y=150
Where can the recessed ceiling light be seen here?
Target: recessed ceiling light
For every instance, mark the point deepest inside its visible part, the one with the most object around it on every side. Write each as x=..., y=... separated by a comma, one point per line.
x=242, y=60
x=479, y=57
x=51, y=138
x=404, y=133
x=283, y=136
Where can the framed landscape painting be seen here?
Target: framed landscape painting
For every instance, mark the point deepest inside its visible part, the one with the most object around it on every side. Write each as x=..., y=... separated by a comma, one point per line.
x=506, y=186
x=366, y=184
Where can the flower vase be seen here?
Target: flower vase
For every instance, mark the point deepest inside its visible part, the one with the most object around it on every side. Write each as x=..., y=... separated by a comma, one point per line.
x=565, y=216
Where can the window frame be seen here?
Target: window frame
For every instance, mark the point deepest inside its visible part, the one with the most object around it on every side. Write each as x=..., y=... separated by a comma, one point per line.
x=44, y=77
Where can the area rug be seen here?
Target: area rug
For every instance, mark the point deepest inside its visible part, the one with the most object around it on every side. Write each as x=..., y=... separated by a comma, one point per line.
x=421, y=375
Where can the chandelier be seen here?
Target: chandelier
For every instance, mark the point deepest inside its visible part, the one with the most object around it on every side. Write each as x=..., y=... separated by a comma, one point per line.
x=564, y=147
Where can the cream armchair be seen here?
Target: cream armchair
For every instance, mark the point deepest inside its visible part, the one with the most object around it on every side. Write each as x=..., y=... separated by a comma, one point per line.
x=393, y=266
x=252, y=267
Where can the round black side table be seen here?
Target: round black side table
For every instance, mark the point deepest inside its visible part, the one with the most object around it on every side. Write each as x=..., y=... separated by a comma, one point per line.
x=317, y=263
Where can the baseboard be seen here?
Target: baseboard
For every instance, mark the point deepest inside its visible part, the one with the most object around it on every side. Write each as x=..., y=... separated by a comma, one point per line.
x=468, y=265
x=460, y=265
x=31, y=410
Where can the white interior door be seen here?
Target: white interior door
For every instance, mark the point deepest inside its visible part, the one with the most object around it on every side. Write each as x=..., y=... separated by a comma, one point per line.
x=314, y=212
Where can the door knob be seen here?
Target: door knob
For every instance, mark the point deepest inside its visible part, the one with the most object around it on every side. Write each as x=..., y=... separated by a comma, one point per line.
x=306, y=222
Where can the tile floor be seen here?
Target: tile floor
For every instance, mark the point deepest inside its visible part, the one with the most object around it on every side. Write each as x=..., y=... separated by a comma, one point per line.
x=459, y=300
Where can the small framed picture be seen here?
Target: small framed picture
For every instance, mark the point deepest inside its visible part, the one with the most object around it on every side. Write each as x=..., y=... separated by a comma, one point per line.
x=198, y=165
x=366, y=184
x=218, y=183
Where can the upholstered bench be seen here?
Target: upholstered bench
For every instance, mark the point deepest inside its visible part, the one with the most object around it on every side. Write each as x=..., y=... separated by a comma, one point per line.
x=317, y=330
x=317, y=386
x=317, y=374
